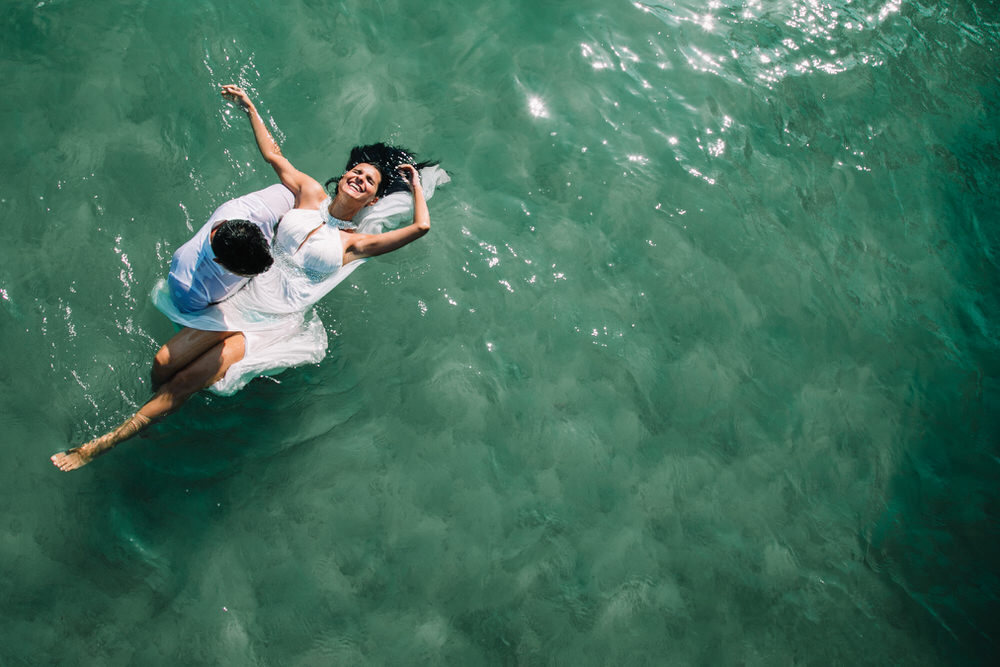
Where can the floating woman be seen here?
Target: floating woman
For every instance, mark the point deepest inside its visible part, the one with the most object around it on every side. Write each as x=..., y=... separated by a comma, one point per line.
x=262, y=329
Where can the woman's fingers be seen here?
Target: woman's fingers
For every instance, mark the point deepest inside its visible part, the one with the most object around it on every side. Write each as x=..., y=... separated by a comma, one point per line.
x=235, y=91
x=236, y=94
x=409, y=173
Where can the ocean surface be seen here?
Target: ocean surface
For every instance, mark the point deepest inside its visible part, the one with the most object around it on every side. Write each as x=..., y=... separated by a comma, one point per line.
x=698, y=366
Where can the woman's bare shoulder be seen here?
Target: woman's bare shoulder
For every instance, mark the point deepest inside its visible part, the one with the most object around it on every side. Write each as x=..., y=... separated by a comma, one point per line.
x=311, y=194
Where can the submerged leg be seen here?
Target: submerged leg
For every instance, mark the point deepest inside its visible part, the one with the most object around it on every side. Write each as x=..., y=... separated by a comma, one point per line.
x=81, y=456
x=204, y=371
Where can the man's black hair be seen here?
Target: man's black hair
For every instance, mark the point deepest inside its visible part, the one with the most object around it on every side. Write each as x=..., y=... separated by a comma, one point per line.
x=240, y=247
x=385, y=158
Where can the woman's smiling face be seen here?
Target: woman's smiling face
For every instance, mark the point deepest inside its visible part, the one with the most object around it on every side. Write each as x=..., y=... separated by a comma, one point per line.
x=360, y=182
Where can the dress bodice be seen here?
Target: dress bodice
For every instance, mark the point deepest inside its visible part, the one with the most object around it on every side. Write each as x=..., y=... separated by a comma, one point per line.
x=304, y=240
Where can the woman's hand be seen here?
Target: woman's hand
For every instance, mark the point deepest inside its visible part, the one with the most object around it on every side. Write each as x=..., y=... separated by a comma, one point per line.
x=410, y=175
x=238, y=95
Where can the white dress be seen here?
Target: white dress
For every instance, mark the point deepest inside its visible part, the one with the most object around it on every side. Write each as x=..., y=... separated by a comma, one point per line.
x=274, y=310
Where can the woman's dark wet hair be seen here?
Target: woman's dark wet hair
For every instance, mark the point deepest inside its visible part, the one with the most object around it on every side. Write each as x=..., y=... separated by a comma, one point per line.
x=385, y=158
x=240, y=247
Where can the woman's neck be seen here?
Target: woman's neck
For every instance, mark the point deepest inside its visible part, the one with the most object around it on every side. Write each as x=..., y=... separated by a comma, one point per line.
x=344, y=210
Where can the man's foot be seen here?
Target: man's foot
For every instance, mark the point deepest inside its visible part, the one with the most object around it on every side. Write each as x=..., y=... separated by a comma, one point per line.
x=72, y=459
x=84, y=454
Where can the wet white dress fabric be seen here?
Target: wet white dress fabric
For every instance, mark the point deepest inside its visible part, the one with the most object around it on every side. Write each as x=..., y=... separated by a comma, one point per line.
x=274, y=310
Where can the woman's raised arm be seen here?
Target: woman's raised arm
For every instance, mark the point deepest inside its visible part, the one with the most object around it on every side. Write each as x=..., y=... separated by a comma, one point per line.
x=292, y=178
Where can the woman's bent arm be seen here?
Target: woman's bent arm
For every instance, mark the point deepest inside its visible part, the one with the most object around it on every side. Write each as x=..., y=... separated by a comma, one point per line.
x=369, y=245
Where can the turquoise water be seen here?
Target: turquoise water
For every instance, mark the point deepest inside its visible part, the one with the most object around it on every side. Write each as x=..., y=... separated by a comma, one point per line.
x=699, y=364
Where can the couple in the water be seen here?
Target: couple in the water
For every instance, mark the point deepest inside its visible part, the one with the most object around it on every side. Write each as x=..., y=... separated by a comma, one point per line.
x=242, y=287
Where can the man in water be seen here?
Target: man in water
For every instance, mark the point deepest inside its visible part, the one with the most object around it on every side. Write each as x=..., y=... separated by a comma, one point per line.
x=228, y=250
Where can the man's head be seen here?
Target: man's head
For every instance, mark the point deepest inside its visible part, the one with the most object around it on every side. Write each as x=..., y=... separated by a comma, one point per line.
x=240, y=247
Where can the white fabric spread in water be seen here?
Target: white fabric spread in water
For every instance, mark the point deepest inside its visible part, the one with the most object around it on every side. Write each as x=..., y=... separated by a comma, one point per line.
x=273, y=309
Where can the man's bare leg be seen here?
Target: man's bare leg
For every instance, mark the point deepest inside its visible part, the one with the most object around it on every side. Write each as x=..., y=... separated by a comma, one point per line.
x=204, y=371
x=184, y=348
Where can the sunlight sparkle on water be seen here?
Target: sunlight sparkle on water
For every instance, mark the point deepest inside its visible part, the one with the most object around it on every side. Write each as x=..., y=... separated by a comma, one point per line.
x=890, y=7
x=597, y=61
x=537, y=107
